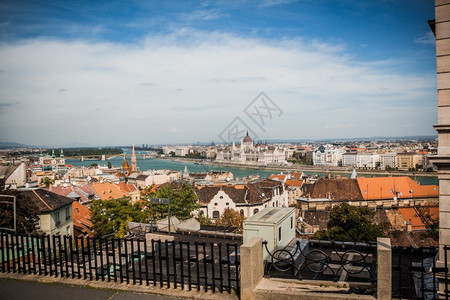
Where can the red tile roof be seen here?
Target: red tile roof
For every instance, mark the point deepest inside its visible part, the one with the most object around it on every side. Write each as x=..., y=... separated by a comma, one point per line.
x=81, y=216
x=390, y=187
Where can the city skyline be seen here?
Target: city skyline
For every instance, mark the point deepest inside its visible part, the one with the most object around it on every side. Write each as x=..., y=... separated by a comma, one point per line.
x=161, y=73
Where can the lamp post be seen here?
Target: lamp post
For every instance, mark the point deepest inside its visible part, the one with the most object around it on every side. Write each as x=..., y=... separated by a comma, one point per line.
x=163, y=201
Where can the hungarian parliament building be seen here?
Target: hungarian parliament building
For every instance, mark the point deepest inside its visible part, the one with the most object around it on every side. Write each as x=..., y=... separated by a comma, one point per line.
x=249, y=153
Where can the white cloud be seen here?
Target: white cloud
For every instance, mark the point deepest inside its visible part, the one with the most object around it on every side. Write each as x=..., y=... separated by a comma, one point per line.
x=426, y=39
x=269, y=3
x=339, y=126
x=204, y=14
x=195, y=84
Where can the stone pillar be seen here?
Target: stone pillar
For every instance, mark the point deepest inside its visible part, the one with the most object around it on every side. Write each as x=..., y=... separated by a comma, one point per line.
x=384, y=273
x=442, y=160
x=252, y=268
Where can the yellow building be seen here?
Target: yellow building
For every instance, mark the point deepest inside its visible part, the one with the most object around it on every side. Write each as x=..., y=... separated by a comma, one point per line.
x=406, y=161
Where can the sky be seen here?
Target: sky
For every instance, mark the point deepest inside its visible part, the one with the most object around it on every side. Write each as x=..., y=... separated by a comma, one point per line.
x=162, y=72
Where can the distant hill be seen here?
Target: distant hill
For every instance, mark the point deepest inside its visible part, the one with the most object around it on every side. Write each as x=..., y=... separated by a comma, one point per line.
x=360, y=139
x=4, y=145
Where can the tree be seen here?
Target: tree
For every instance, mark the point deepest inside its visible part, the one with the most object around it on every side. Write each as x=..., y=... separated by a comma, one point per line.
x=183, y=201
x=47, y=181
x=94, y=165
x=112, y=216
x=351, y=224
x=431, y=224
x=231, y=218
x=109, y=165
x=26, y=213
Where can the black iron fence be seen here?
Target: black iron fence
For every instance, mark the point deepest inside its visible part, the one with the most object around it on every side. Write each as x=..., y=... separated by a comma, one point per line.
x=211, y=266
x=354, y=263
x=416, y=273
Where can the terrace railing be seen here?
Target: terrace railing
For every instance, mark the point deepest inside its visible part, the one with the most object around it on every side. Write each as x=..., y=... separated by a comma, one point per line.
x=354, y=263
x=417, y=275
x=198, y=265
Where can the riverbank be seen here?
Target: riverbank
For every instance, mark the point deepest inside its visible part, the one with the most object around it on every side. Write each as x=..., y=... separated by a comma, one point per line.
x=304, y=168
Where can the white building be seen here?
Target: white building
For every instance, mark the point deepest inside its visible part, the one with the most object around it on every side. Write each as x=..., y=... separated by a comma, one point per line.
x=327, y=157
x=388, y=160
x=55, y=212
x=249, y=153
x=360, y=160
x=367, y=160
x=349, y=159
x=247, y=199
x=274, y=225
x=13, y=176
x=156, y=177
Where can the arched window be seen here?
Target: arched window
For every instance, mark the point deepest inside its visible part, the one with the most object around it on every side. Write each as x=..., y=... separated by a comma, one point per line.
x=242, y=212
x=255, y=211
x=216, y=214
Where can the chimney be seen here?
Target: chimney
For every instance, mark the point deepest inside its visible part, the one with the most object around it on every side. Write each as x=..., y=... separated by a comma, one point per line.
x=408, y=227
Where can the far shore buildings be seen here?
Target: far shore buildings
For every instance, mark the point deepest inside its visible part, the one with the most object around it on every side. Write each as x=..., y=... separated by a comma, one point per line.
x=52, y=160
x=249, y=153
x=327, y=157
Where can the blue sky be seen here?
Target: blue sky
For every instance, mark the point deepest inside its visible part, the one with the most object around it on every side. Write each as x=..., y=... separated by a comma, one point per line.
x=181, y=71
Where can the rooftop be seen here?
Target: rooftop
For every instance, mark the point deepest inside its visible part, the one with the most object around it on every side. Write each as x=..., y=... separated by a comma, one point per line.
x=270, y=215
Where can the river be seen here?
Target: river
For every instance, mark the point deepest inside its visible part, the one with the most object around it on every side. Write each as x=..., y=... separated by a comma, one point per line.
x=157, y=164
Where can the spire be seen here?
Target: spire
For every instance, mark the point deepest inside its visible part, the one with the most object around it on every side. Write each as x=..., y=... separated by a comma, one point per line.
x=247, y=132
x=40, y=153
x=62, y=153
x=133, y=161
x=185, y=173
x=121, y=175
x=53, y=153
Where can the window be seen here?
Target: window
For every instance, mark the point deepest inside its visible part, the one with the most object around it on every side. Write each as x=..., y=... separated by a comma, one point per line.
x=57, y=239
x=67, y=212
x=255, y=211
x=292, y=222
x=216, y=214
x=221, y=197
x=279, y=234
x=227, y=204
x=68, y=230
x=215, y=204
x=57, y=220
x=242, y=212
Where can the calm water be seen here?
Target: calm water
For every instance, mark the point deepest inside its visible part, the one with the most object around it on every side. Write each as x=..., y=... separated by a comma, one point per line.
x=157, y=164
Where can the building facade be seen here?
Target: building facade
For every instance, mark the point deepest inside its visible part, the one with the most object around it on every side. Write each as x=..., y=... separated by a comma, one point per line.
x=249, y=153
x=327, y=157
x=246, y=199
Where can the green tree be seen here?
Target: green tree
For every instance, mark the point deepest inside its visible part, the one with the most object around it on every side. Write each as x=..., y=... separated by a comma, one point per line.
x=183, y=201
x=112, y=216
x=231, y=218
x=47, y=181
x=431, y=224
x=351, y=224
x=26, y=213
x=109, y=165
x=94, y=165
